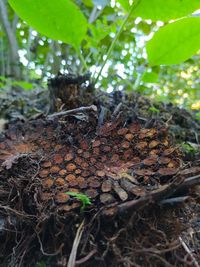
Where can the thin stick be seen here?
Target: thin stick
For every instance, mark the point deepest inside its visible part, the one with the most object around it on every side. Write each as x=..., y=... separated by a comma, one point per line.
x=117, y=109
x=188, y=183
x=45, y=253
x=174, y=200
x=194, y=180
x=72, y=257
x=116, y=38
x=7, y=208
x=86, y=258
x=71, y=111
x=85, y=66
x=188, y=251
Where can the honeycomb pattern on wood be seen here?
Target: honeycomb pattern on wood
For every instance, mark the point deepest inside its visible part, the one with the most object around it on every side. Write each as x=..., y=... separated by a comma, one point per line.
x=112, y=163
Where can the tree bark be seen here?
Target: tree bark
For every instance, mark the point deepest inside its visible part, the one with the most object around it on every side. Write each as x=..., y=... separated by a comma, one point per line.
x=13, y=45
x=2, y=58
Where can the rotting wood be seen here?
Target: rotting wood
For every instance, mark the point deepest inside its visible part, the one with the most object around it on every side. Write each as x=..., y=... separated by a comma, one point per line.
x=108, y=164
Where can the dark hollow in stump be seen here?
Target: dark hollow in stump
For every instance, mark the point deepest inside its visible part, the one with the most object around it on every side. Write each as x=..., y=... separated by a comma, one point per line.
x=69, y=91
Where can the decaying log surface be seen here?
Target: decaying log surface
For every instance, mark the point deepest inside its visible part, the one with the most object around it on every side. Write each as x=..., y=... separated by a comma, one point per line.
x=128, y=170
x=114, y=163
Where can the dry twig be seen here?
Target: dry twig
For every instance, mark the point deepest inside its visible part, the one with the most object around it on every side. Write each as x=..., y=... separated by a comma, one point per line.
x=72, y=257
x=86, y=258
x=189, y=252
x=72, y=111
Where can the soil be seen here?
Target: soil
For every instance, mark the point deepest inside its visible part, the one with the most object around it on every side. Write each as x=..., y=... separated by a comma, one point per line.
x=95, y=179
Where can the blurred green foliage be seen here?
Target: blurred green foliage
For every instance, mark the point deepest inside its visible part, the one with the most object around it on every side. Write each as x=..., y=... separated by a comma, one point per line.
x=127, y=67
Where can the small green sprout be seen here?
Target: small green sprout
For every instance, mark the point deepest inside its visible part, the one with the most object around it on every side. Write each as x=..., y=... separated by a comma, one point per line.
x=187, y=148
x=83, y=198
x=197, y=115
x=154, y=110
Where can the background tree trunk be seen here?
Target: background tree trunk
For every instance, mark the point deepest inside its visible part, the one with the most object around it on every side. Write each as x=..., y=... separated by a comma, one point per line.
x=14, y=69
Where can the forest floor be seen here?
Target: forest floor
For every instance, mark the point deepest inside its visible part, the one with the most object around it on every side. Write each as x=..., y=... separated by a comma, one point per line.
x=95, y=179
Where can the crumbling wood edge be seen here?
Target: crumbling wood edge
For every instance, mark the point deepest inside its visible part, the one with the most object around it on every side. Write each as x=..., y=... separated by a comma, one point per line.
x=159, y=196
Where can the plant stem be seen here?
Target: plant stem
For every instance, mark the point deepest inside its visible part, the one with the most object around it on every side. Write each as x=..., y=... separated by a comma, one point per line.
x=85, y=66
x=86, y=58
x=110, y=49
x=137, y=82
x=73, y=254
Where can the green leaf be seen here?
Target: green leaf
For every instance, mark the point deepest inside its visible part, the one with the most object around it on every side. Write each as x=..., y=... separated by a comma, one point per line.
x=145, y=27
x=125, y=4
x=57, y=19
x=24, y=85
x=3, y=78
x=1, y=85
x=175, y=42
x=154, y=110
x=162, y=9
x=187, y=148
x=88, y=3
x=197, y=115
x=83, y=198
x=150, y=77
x=99, y=30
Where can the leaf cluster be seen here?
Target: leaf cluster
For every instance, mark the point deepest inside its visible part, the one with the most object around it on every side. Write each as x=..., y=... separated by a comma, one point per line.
x=157, y=33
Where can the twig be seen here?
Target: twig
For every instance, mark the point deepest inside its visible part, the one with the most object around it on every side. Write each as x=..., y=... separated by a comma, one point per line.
x=173, y=245
x=188, y=251
x=174, y=200
x=72, y=257
x=167, y=122
x=188, y=182
x=101, y=116
x=86, y=258
x=7, y=208
x=164, y=261
x=116, y=110
x=42, y=249
x=159, y=194
x=71, y=111
x=135, y=204
x=194, y=180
